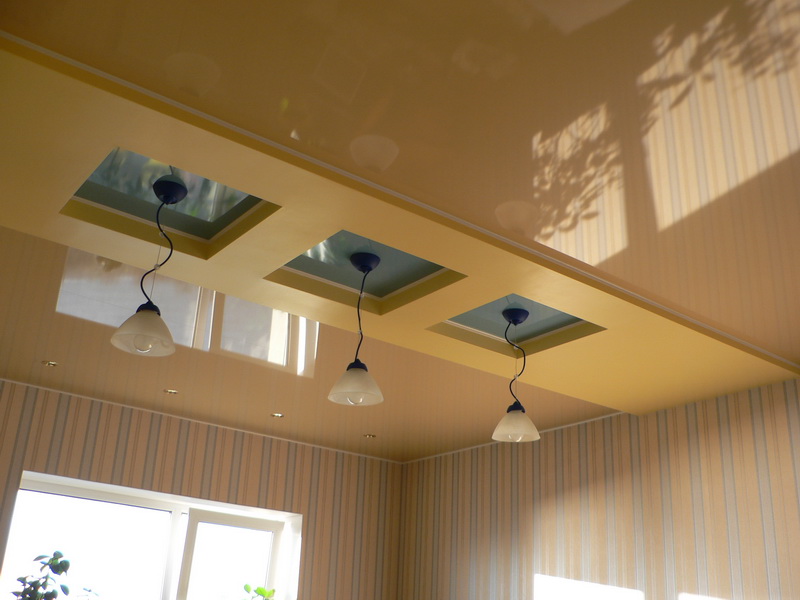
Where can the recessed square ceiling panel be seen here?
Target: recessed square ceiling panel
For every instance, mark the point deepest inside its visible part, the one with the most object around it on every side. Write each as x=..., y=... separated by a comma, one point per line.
x=325, y=270
x=119, y=193
x=544, y=328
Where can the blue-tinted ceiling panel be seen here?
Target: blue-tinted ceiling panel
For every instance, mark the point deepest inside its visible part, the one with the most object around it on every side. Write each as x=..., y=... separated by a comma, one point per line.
x=330, y=261
x=124, y=182
x=489, y=319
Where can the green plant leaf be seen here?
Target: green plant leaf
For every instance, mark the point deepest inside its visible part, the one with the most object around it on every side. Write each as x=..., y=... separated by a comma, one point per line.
x=65, y=589
x=41, y=557
x=247, y=588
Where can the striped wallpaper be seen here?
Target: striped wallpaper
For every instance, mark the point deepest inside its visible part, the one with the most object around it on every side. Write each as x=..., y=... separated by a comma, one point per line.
x=350, y=504
x=702, y=499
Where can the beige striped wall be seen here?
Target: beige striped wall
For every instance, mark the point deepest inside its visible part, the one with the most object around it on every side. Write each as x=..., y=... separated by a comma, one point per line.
x=702, y=499
x=350, y=504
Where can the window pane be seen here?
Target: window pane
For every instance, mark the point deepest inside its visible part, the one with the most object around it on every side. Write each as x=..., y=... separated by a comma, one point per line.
x=307, y=337
x=226, y=558
x=115, y=550
x=106, y=291
x=255, y=330
x=550, y=587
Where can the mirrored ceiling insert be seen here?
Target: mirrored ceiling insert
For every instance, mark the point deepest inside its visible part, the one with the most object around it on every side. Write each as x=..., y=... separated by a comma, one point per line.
x=545, y=328
x=400, y=278
x=118, y=195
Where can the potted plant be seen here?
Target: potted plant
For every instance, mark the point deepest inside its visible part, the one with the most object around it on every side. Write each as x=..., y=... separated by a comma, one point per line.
x=46, y=585
x=258, y=593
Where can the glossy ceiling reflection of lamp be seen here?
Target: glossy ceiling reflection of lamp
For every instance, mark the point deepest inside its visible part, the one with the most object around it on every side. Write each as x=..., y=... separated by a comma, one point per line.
x=515, y=426
x=145, y=333
x=374, y=152
x=356, y=387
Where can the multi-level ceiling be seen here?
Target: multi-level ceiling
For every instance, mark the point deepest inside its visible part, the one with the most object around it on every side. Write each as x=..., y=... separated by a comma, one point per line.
x=631, y=164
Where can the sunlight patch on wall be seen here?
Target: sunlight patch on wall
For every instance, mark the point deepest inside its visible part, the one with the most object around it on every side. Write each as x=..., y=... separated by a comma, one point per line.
x=576, y=204
x=724, y=106
x=548, y=587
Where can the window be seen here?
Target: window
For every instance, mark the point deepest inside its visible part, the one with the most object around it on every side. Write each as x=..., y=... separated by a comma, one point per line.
x=127, y=544
x=266, y=334
x=255, y=330
x=106, y=291
x=219, y=551
x=549, y=587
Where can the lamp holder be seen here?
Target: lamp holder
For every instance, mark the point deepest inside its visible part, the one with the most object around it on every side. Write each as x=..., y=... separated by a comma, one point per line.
x=149, y=306
x=365, y=261
x=516, y=405
x=357, y=364
x=515, y=315
x=170, y=189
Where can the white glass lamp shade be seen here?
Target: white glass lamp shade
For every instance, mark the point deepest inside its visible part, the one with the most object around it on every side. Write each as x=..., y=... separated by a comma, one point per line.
x=515, y=426
x=356, y=387
x=145, y=333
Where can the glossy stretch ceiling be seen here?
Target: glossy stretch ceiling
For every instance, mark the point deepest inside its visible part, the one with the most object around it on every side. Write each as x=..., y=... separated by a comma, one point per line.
x=628, y=163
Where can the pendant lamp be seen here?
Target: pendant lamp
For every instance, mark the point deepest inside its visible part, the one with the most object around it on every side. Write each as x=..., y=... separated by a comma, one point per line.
x=356, y=387
x=145, y=333
x=515, y=426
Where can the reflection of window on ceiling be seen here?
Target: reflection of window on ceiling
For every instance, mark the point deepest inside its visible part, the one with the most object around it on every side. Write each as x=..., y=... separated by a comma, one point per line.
x=576, y=201
x=105, y=291
x=132, y=544
x=548, y=587
x=719, y=106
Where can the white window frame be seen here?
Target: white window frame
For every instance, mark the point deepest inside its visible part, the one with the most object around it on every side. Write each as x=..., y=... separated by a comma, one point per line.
x=293, y=342
x=208, y=323
x=284, y=568
x=197, y=516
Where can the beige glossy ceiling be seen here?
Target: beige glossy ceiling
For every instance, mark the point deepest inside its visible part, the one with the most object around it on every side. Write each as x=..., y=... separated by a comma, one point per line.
x=630, y=163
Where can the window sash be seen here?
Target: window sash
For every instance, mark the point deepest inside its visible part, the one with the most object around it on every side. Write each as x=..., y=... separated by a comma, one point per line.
x=187, y=513
x=197, y=516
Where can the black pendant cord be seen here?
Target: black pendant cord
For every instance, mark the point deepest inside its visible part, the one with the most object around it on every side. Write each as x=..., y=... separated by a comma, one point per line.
x=162, y=263
x=358, y=312
x=524, y=362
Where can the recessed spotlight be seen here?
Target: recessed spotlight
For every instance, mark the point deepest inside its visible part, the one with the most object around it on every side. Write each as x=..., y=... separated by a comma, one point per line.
x=171, y=392
x=370, y=435
x=277, y=415
x=49, y=363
